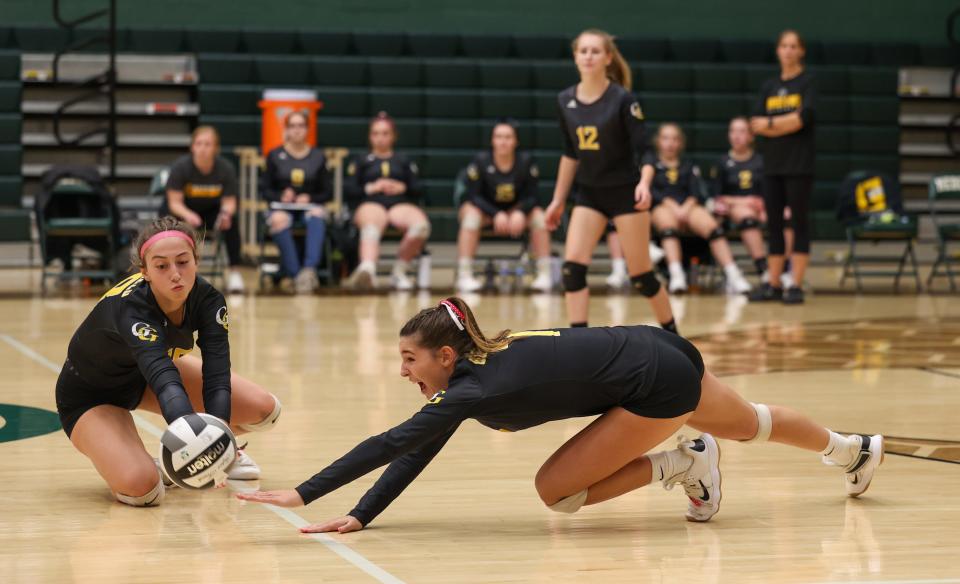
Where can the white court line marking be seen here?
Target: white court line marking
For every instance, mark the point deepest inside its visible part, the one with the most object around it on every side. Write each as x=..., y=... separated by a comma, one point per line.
x=287, y=515
x=912, y=581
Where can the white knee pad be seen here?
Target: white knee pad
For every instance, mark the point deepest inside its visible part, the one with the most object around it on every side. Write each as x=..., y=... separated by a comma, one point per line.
x=419, y=230
x=266, y=423
x=472, y=222
x=370, y=233
x=538, y=222
x=764, y=424
x=570, y=504
x=153, y=498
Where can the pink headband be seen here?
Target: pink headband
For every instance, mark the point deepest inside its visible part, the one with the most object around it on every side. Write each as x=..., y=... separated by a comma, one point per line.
x=454, y=312
x=162, y=235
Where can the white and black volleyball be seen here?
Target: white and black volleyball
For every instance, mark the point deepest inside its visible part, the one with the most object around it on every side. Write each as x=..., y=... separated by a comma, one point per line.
x=196, y=451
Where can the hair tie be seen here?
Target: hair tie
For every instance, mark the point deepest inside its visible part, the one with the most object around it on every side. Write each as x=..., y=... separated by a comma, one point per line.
x=163, y=235
x=454, y=312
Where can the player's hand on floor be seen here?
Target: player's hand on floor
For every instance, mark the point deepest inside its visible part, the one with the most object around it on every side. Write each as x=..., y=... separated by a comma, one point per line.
x=344, y=524
x=283, y=498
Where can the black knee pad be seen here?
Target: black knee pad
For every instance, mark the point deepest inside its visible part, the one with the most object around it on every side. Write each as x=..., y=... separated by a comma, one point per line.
x=668, y=233
x=574, y=276
x=715, y=234
x=749, y=223
x=647, y=283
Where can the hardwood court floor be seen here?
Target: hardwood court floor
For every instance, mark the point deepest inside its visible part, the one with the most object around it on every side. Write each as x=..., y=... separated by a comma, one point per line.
x=886, y=364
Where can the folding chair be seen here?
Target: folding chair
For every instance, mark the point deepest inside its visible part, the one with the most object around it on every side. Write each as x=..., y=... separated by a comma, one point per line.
x=943, y=187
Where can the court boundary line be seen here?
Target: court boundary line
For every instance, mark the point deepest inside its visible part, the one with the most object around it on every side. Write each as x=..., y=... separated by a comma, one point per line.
x=935, y=371
x=341, y=549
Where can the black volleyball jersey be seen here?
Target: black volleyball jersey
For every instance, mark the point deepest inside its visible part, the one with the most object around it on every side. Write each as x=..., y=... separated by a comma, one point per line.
x=541, y=377
x=790, y=154
x=492, y=190
x=673, y=182
x=307, y=175
x=127, y=340
x=202, y=192
x=369, y=167
x=738, y=177
x=606, y=137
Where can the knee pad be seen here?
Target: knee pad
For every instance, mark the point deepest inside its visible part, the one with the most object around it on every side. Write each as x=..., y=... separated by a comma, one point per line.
x=471, y=222
x=574, y=276
x=419, y=230
x=537, y=221
x=151, y=499
x=715, y=234
x=668, y=233
x=370, y=233
x=279, y=221
x=268, y=422
x=647, y=283
x=764, y=423
x=570, y=504
x=748, y=223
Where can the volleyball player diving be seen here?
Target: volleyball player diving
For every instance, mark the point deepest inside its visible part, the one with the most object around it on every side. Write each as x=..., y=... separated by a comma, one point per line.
x=603, y=130
x=643, y=382
x=131, y=353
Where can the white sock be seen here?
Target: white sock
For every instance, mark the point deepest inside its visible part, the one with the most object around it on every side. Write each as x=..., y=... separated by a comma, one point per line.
x=368, y=266
x=668, y=464
x=465, y=266
x=732, y=271
x=544, y=265
x=676, y=270
x=401, y=267
x=841, y=449
x=619, y=266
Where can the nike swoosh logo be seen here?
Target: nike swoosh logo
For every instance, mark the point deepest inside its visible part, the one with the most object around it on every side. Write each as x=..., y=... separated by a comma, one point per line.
x=706, y=495
x=661, y=474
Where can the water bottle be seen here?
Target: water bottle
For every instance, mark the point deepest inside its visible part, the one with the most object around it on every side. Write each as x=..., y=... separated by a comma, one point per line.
x=518, y=273
x=503, y=276
x=423, y=271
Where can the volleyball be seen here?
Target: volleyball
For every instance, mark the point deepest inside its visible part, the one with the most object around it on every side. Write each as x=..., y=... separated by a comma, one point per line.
x=197, y=450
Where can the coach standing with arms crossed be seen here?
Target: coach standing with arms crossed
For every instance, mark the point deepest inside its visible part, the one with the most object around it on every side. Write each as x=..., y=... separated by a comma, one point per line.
x=785, y=116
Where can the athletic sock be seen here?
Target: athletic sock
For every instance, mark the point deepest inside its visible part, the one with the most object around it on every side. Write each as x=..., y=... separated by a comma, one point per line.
x=668, y=463
x=670, y=326
x=841, y=450
x=619, y=267
x=761, y=265
x=465, y=266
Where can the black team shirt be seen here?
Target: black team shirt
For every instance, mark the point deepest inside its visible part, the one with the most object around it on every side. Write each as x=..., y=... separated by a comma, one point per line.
x=304, y=175
x=678, y=183
x=606, y=137
x=738, y=177
x=491, y=190
x=369, y=167
x=790, y=154
x=541, y=377
x=202, y=193
x=127, y=341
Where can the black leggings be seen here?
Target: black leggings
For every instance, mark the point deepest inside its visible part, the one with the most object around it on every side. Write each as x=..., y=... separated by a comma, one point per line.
x=788, y=191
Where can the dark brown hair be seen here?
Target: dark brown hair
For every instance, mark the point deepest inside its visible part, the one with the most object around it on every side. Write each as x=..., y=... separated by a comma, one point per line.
x=683, y=136
x=289, y=116
x=784, y=33
x=166, y=223
x=383, y=117
x=618, y=70
x=433, y=329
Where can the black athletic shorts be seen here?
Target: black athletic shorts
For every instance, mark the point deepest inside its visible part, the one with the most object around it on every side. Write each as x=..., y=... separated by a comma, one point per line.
x=75, y=397
x=676, y=384
x=611, y=201
x=386, y=201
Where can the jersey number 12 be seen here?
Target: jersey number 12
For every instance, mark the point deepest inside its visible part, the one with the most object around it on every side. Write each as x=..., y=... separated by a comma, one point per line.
x=587, y=135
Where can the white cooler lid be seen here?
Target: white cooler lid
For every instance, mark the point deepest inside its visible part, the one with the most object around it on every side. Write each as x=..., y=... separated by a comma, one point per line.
x=289, y=95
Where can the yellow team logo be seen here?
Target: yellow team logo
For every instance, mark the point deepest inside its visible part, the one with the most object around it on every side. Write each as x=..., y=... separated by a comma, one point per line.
x=223, y=319
x=202, y=191
x=522, y=334
x=472, y=172
x=870, y=195
x=635, y=111
x=352, y=168
x=746, y=179
x=673, y=175
x=534, y=171
x=385, y=169
x=784, y=103
x=124, y=287
x=437, y=397
x=175, y=353
x=297, y=177
x=144, y=332
x=505, y=193
x=588, y=136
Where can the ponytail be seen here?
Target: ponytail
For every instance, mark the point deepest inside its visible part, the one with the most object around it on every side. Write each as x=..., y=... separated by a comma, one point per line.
x=618, y=70
x=452, y=323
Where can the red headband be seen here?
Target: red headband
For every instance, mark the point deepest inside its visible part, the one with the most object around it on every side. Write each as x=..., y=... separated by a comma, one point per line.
x=454, y=312
x=163, y=235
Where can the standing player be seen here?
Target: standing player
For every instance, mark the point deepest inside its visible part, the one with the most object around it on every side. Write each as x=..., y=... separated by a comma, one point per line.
x=645, y=382
x=785, y=115
x=602, y=125
x=502, y=191
x=384, y=186
x=131, y=353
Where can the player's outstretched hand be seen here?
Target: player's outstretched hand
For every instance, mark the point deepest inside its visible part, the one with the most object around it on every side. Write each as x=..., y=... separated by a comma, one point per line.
x=284, y=498
x=554, y=214
x=344, y=524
